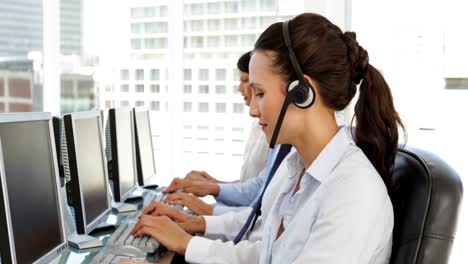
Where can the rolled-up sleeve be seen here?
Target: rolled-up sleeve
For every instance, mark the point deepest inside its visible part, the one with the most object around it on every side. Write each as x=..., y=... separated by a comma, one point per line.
x=240, y=194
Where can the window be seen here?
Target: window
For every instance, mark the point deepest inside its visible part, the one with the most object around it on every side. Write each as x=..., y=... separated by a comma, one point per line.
x=187, y=106
x=155, y=43
x=154, y=75
x=139, y=12
x=203, y=89
x=197, y=42
x=155, y=27
x=136, y=28
x=456, y=83
x=150, y=43
x=220, y=74
x=139, y=75
x=203, y=107
x=249, y=5
x=198, y=9
x=203, y=75
x=197, y=25
x=149, y=11
x=231, y=41
x=220, y=108
x=162, y=11
x=109, y=88
x=214, y=8
x=140, y=88
x=160, y=43
x=139, y=103
x=155, y=88
x=150, y=28
x=66, y=88
x=124, y=103
x=230, y=24
x=124, y=88
x=187, y=74
x=268, y=5
x=155, y=106
x=220, y=89
x=124, y=76
x=214, y=25
x=213, y=42
x=231, y=7
x=136, y=44
x=237, y=108
x=187, y=89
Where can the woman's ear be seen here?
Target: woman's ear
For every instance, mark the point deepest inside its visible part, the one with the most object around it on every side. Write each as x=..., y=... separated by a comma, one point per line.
x=314, y=86
x=311, y=82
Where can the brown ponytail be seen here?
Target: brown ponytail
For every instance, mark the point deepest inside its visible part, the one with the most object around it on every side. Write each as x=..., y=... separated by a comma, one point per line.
x=338, y=64
x=376, y=118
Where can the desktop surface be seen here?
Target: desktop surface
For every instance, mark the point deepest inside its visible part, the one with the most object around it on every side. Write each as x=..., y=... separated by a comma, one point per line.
x=75, y=256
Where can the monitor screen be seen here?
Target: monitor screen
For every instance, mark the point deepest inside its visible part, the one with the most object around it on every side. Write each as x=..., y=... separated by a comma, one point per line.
x=126, y=160
x=32, y=189
x=144, y=144
x=90, y=167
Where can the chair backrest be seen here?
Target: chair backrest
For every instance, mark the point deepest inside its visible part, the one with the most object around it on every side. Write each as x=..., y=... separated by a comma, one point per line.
x=426, y=199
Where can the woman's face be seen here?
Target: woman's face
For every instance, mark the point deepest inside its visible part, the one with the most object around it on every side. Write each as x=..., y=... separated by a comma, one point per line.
x=244, y=87
x=269, y=92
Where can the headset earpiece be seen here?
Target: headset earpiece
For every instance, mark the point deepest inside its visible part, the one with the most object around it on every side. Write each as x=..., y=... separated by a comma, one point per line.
x=302, y=95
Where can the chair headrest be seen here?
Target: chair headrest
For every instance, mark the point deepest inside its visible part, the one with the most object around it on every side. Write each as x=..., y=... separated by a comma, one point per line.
x=426, y=199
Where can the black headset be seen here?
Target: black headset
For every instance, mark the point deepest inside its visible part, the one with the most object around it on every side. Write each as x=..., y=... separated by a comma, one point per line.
x=303, y=94
x=300, y=92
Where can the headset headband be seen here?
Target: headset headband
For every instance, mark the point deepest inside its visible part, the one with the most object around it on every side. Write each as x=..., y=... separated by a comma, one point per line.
x=292, y=56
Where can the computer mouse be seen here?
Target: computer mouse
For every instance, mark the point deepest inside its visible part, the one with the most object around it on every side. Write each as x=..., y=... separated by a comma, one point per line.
x=130, y=251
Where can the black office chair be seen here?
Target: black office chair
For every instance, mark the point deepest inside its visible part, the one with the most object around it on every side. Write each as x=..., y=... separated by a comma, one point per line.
x=426, y=199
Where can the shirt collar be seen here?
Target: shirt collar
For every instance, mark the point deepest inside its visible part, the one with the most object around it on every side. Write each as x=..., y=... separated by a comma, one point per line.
x=327, y=159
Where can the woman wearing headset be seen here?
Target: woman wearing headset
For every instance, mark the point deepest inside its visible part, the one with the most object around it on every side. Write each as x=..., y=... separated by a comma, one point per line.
x=334, y=206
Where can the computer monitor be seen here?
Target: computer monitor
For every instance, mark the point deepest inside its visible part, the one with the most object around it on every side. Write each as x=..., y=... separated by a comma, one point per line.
x=146, y=168
x=57, y=125
x=120, y=151
x=32, y=228
x=85, y=170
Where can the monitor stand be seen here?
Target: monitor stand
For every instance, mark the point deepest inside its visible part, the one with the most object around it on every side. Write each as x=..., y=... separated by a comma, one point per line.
x=104, y=225
x=84, y=241
x=152, y=187
x=137, y=194
x=150, y=183
x=123, y=207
